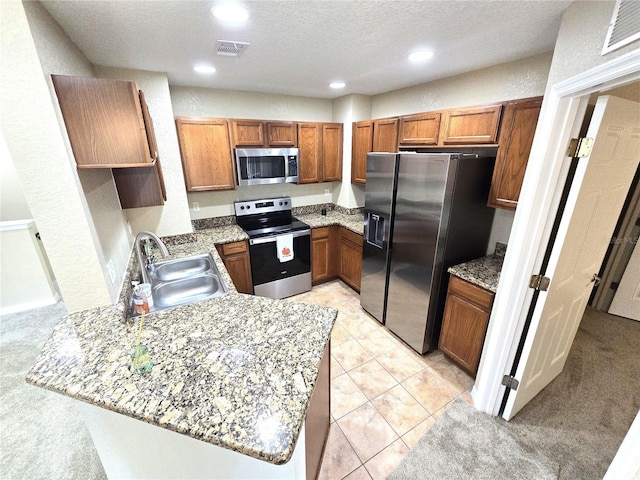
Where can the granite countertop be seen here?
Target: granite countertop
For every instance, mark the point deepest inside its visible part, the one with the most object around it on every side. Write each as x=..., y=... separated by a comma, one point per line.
x=483, y=272
x=223, y=367
x=353, y=222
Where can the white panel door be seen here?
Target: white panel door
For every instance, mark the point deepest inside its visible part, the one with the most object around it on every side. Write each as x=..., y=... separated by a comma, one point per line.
x=597, y=194
x=626, y=302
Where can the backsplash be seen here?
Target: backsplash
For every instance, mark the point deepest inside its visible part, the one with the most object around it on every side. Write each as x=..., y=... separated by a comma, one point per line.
x=212, y=222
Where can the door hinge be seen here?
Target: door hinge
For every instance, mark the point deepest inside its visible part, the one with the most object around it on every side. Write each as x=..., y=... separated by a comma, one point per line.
x=539, y=282
x=580, y=147
x=510, y=382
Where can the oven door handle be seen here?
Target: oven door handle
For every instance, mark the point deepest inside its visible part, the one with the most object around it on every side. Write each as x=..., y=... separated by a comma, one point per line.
x=298, y=233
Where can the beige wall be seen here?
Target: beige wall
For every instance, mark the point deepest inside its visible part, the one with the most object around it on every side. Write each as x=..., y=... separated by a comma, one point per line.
x=349, y=109
x=173, y=217
x=580, y=40
x=208, y=102
x=518, y=79
x=33, y=137
x=13, y=203
x=58, y=55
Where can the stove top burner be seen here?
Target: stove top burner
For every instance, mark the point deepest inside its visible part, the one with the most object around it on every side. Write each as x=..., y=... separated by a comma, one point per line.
x=268, y=217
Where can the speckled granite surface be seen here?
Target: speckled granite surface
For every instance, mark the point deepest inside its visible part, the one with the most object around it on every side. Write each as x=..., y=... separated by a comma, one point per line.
x=483, y=272
x=224, y=368
x=355, y=223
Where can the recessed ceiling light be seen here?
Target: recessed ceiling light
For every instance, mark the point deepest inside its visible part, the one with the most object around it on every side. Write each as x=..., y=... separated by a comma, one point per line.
x=420, y=55
x=229, y=12
x=204, y=69
x=337, y=84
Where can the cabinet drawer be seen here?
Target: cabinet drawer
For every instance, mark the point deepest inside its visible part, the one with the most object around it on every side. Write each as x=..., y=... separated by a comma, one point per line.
x=322, y=232
x=234, y=248
x=472, y=293
x=351, y=236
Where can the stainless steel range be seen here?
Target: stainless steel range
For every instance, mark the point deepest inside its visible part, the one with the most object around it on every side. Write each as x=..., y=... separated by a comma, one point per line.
x=279, y=247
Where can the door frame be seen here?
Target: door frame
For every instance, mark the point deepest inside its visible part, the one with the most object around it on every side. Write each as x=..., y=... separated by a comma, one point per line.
x=560, y=117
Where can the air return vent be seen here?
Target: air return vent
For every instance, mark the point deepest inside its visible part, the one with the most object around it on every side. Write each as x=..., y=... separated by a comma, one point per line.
x=624, y=27
x=230, y=49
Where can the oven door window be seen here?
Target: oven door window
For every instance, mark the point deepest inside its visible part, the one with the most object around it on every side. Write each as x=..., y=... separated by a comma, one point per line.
x=265, y=266
x=262, y=167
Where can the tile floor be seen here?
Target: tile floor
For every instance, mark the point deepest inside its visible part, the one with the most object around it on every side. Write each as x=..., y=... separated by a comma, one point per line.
x=384, y=396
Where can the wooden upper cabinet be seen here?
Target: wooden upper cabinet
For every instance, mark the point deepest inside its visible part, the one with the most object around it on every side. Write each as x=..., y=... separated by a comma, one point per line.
x=419, y=129
x=258, y=133
x=385, y=135
x=310, y=152
x=516, y=136
x=206, y=154
x=361, y=144
x=248, y=133
x=104, y=121
x=332, y=152
x=471, y=125
x=282, y=134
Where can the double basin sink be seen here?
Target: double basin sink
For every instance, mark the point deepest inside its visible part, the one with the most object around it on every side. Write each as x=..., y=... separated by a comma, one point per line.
x=183, y=281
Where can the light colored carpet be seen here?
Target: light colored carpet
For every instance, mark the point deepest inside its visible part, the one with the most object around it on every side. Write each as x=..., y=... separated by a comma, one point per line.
x=42, y=436
x=571, y=430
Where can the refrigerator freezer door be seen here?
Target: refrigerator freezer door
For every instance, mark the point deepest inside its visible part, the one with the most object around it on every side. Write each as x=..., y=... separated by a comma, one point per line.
x=378, y=210
x=420, y=199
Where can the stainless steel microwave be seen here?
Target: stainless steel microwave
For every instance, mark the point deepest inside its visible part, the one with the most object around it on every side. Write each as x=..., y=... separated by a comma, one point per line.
x=259, y=166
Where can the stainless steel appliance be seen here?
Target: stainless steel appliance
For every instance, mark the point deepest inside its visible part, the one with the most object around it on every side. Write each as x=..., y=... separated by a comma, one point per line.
x=423, y=213
x=256, y=166
x=269, y=223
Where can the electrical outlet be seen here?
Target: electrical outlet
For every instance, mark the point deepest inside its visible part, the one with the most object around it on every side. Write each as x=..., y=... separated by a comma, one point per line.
x=111, y=270
x=326, y=192
x=196, y=206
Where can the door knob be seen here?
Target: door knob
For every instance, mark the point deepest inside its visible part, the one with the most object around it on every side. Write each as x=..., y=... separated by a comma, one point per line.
x=595, y=280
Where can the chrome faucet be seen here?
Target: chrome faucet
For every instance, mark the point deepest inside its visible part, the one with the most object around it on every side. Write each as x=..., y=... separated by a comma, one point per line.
x=145, y=262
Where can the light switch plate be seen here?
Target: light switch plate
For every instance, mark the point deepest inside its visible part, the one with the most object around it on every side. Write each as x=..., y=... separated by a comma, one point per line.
x=326, y=192
x=196, y=206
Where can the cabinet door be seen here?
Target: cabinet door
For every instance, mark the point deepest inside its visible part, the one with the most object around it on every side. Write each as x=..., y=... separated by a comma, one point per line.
x=362, y=143
x=471, y=125
x=385, y=135
x=238, y=264
x=206, y=154
x=464, y=324
x=516, y=136
x=104, y=122
x=350, y=258
x=282, y=134
x=310, y=151
x=420, y=129
x=323, y=254
x=248, y=133
x=140, y=187
x=331, y=152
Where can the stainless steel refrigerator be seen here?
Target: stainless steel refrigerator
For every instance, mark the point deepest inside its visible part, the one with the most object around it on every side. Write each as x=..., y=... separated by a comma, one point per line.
x=424, y=212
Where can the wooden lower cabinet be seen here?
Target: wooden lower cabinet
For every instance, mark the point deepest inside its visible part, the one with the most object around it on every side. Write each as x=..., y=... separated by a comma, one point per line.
x=464, y=325
x=318, y=417
x=350, y=268
x=324, y=254
x=236, y=259
x=336, y=252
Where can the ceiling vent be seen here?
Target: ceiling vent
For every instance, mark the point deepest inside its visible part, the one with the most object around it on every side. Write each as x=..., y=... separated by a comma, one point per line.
x=230, y=49
x=624, y=27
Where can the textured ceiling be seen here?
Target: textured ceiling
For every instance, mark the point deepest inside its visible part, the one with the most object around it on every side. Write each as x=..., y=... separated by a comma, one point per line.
x=298, y=47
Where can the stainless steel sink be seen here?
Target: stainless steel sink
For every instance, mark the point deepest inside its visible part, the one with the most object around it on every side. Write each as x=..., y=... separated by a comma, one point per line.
x=181, y=268
x=184, y=280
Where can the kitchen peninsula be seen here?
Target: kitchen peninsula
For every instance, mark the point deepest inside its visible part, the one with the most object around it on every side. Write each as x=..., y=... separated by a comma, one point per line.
x=231, y=390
